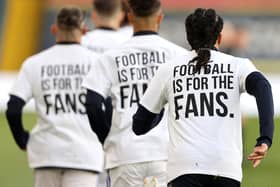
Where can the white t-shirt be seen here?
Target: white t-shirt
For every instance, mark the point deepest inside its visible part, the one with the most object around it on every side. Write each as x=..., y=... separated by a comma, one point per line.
x=124, y=74
x=100, y=40
x=126, y=31
x=204, y=114
x=62, y=136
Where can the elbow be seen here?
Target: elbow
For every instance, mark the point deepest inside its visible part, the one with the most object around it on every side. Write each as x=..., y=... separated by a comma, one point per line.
x=143, y=121
x=136, y=126
x=136, y=130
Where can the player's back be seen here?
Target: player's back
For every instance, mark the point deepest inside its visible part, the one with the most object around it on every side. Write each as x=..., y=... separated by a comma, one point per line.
x=206, y=105
x=129, y=69
x=62, y=132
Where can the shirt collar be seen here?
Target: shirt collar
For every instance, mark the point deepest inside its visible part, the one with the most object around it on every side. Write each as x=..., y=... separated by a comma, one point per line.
x=147, y=32
x=106, y=28
x=67, y=43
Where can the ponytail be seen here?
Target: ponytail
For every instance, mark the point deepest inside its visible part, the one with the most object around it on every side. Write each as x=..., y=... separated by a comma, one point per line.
x=202, y=59
x=203, y=28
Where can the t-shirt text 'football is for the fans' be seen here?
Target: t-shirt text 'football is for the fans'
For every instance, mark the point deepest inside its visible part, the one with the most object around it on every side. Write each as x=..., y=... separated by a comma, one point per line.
x=135, y=67
x=203, y=93
x=58, y=83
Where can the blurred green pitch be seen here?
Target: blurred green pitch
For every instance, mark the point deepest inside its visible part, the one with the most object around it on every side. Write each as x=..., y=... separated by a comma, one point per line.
x=14, y=170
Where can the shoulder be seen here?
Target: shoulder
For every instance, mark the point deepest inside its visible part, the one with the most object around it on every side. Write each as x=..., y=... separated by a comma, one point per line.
x=35, y=59
x=220, y=54
x=106, y=59
x=123, y=48
x=173, y=46
x=89, y=34
x=155, y=42
x=87, y=52
x=165, y=70
x=230, y=58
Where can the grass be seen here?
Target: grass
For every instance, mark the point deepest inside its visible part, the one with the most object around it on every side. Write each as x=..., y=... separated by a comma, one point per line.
x=268, y=173
x=14, y=170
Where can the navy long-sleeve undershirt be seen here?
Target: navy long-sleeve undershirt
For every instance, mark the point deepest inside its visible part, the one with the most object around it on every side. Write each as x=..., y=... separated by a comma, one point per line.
x=14, y=114
x=256, y=85
x=150, y=120
x=99, y=113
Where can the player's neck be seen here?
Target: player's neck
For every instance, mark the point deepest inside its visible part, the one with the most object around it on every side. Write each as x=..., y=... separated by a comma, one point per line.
x=72, y=37
x=68, y=40
x=145, y=27
x=150, y=23
x=107, y=24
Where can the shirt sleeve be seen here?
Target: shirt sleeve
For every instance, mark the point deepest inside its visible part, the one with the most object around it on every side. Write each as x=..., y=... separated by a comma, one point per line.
x=22, y=86
x=246, y=67
x=98, y=118
x=258, y=86
x=14, y=118
x=98, y=79
x=156, y=96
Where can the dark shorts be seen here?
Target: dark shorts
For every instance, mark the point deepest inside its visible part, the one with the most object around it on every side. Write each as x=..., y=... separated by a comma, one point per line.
x=199, y=180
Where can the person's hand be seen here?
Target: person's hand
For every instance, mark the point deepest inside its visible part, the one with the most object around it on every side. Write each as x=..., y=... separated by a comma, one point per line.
x=258, y=154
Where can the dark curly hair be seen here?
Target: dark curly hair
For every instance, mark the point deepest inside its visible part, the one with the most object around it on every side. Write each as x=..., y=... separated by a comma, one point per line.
x=144, y=8
x=70, y=18
x=203, y=28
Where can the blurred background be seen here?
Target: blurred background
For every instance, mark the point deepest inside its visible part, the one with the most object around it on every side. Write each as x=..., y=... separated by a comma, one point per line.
x=251, y=30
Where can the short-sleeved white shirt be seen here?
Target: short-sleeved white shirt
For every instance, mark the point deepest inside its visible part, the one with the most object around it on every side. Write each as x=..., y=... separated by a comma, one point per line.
x=124, y=74
x=101, y=40
x=204, y=114
x=62, y=136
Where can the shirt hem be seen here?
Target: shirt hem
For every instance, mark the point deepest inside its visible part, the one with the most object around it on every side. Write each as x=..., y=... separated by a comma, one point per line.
x=214, y=173
x=78, y=167
x=111, y=165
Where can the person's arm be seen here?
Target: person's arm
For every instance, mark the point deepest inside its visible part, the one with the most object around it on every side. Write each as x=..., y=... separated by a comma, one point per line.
x=144, y=116
x=14, y=117
x=151, y=107
x=258, y=86
x=109, y=109
x=98, y=84
x=96, y=111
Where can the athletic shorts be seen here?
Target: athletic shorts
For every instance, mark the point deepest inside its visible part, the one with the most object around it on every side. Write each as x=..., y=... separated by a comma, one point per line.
x=199, y=180
x=103, y=179
x=56, y=177
x=144, y=174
